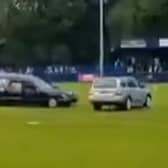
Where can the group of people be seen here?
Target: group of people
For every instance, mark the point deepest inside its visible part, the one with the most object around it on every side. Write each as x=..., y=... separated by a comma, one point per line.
x=51, y=69
x=132, y=65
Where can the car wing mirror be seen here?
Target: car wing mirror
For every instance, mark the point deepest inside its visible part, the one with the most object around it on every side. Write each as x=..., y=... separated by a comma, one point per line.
x=142, y=85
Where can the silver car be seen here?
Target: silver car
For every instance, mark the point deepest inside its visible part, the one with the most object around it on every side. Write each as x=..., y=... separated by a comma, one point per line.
x=125, y=92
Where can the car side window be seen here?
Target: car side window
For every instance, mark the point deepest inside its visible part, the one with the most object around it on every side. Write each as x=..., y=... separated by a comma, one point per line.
x=123, y=84
x=132, y=84
x=29, y=88
x=15, y=87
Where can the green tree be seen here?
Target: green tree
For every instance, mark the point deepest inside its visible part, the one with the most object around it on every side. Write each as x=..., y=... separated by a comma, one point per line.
x=40, y=22
x=137, y=18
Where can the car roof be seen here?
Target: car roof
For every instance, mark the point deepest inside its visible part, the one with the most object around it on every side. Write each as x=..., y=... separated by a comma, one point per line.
x=16, y=76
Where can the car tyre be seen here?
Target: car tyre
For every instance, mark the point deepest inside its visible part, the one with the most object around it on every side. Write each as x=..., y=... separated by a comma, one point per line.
x=148, y=102
x=97, y=107
x=52, y=103
x=128, y=104
x=68, y=104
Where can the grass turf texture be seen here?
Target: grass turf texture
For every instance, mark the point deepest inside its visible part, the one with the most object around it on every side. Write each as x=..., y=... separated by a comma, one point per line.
x=78, y=137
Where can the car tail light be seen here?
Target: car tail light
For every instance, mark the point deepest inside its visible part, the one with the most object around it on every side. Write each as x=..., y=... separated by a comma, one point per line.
x=90, y=93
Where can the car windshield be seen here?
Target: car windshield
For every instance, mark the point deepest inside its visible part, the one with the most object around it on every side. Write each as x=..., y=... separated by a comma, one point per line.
x=42, y=84
x=100, y=84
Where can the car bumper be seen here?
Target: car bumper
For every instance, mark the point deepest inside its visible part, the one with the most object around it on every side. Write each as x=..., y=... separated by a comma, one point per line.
x=68, y=101
x=74, y=100
x=116, y=100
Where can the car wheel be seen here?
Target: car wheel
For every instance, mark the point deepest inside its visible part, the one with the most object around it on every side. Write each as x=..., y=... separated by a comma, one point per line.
x=148, y=102
x=68, y=104
x=52, y=103
x=97, y=107
x=128, y=104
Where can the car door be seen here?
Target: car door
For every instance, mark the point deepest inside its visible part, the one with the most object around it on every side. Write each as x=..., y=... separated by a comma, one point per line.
x=134, y=91
x=32, y=95
x=13, y=92
x=142, y=91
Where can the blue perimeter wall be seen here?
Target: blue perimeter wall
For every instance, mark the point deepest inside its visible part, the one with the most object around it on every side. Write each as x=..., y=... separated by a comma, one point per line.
x=108, y=71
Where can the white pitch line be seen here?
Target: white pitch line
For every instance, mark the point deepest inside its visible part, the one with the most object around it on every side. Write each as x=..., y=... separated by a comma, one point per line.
x=33, y=123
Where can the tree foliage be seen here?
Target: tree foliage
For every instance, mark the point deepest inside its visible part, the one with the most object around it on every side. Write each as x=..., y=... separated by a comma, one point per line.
x=138, y=18
x=67, y=31
x=40, y=23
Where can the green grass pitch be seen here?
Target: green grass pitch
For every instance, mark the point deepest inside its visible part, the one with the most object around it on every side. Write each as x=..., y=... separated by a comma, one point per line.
x=78, y=137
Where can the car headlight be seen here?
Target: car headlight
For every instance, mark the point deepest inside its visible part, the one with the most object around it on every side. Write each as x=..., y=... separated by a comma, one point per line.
x=74, y=94
x=64, y=96
x=71, y=93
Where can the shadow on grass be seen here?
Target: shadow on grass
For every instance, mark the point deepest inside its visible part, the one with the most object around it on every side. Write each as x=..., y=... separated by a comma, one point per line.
x=119, y=110
x=34, y=106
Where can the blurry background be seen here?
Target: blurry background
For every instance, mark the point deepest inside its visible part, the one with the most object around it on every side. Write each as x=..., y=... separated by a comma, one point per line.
x=61, y=37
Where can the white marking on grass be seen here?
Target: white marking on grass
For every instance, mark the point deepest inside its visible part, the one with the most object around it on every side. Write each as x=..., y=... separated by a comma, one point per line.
x=33, y=123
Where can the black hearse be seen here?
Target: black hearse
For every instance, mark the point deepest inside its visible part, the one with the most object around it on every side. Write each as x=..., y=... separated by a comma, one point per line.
x=20, y=89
